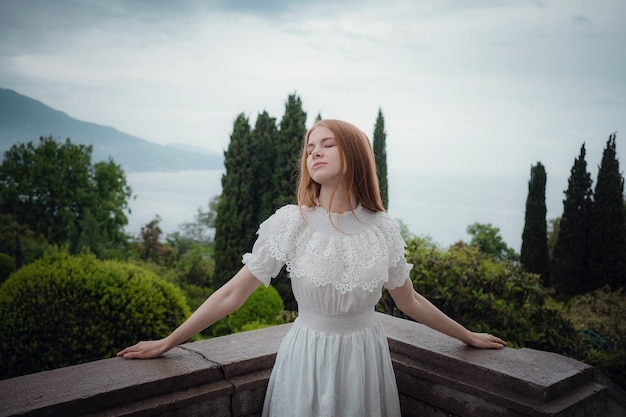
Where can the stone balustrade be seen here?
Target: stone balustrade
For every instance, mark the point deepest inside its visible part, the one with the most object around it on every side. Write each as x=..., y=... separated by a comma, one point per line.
x=227, y=376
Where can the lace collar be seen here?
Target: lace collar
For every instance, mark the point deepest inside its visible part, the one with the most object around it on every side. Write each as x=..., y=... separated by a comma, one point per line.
x=349, y=222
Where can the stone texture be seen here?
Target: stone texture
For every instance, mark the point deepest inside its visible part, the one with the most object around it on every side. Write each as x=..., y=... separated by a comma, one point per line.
x=437, y=370
x=105, y=383
x=227, y=376
x=242, y=353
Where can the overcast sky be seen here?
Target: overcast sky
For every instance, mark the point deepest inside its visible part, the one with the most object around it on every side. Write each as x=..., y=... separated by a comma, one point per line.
x=465, y=86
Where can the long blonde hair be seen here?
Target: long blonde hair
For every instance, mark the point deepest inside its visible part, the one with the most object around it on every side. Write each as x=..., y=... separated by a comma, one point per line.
x=358, y=165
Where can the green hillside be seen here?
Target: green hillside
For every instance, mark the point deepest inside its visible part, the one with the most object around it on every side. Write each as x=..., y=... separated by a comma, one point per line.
x=23, y=119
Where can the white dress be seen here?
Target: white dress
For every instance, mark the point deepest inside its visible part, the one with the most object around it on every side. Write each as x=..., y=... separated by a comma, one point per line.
x=335, y=359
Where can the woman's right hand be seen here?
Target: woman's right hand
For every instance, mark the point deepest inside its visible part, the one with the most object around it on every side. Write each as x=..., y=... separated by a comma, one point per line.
x=221, y=303
x=144, y=350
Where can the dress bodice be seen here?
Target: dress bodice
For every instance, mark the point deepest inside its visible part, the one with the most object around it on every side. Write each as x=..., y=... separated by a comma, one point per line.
x=337, y=263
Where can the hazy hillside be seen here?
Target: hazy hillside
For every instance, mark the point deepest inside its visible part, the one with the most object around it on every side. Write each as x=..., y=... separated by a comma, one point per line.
x=23, y=119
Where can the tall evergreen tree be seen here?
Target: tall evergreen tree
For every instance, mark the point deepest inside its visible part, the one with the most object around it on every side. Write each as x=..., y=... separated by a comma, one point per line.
x=264, y=137
x=236, y=221
x=380, y=153
x=287, y=151
x=570, y=264
x=534, y=253
x=608, y=234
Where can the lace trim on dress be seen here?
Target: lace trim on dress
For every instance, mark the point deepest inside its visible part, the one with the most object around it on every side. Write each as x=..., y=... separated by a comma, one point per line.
x=346, y=261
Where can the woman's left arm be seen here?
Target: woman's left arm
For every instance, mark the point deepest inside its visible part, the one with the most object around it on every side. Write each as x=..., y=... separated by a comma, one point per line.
x=420, y=309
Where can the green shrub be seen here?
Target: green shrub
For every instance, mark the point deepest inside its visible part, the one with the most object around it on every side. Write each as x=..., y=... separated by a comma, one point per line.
x=262, y=307
x=601, y=311
x=599, y=315
x=613, y=365
x=64, y=310
x=7, y=266
x=488, y=296
x=194, y=295
x=254, y=325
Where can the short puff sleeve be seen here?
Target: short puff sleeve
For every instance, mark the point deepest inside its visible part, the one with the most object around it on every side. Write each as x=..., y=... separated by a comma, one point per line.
x=399, y=269
x=274, y=243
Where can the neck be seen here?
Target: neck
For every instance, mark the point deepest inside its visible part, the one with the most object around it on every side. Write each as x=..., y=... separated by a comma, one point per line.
x=340, y=204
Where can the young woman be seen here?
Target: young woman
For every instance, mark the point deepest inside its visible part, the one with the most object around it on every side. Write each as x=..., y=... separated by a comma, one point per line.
x=340, y=248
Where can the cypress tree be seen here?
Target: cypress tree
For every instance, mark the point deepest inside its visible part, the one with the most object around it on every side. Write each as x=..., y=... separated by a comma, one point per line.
x=287, y=152
x=534, y=254
x=380, y=154
x=570, y=264
x=264, y=137
x=236, y=221
x=608, y=234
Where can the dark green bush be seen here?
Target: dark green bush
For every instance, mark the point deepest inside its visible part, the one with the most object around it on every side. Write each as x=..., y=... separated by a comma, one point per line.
x=7, y=266
x=262, y=307
x=489, y=296
x=64, y=310
x=599, y=316
x=613, y=365
x=602, y=311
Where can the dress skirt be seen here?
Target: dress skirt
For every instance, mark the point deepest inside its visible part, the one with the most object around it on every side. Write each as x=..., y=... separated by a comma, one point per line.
x=333, y=366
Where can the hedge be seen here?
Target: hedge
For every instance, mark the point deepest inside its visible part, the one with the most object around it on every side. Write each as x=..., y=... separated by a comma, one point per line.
x=63, y=310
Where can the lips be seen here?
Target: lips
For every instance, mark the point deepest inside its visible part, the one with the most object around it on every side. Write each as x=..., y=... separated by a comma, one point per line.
x=318, y=164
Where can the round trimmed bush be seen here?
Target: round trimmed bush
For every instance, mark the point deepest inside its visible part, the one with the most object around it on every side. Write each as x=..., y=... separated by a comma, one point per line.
x=64, y=310
x=261, y=309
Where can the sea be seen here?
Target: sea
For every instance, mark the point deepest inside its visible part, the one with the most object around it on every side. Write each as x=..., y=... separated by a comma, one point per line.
x=434, y=204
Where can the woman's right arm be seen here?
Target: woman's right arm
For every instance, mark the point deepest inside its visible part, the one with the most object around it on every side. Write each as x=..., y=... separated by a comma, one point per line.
x=222, y=302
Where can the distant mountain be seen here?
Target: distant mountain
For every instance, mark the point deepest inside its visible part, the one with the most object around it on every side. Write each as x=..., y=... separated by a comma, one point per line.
x=24, y=120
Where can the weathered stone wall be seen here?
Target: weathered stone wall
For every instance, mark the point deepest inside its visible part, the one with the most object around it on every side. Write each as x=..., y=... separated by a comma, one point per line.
x=226, y=376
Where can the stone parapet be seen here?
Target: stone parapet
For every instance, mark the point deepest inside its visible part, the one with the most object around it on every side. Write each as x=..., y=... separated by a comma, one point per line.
x=227, y=376
x=439, y=376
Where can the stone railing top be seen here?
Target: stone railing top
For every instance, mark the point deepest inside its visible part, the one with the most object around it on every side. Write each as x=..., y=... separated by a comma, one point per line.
x=536, y=374
x=525, y=380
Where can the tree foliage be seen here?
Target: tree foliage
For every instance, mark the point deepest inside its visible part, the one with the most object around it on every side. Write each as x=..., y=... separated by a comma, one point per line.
x=236, y=221
x=19, y=242
x=150, y=246
x=380, y=153
x=202, y=228
x=607, y=236
x=7, y=266
x=64, y=310
x=287, y=151
x=110, y=201
x=570, y=263
x=264, y=140
x=55, y=191
x=487, y=239
x=534, y=253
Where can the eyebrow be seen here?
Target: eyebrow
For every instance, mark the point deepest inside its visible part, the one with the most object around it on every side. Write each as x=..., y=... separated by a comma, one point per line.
x=322, y=140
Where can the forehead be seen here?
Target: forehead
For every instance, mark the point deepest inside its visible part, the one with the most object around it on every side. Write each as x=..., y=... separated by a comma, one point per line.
x=320, y=133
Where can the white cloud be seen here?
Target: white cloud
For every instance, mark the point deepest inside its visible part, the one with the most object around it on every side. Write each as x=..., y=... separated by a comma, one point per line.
x=488, y=86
